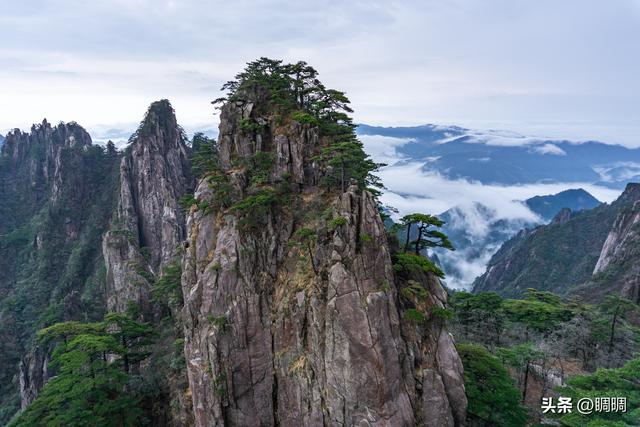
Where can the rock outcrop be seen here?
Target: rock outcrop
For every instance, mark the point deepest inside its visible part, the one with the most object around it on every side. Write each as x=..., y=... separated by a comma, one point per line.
x=618, y=262
x=148, y=226
x=282, y=331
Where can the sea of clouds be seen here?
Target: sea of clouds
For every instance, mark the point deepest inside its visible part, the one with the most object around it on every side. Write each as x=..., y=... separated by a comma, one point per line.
x=409, y=188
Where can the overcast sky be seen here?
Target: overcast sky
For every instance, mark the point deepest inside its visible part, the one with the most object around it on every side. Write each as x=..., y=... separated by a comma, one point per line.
x=560, y=68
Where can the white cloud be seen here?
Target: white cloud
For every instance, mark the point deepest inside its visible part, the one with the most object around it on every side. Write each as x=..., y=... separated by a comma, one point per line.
x=434, y=193
x=382, y=149
x=549, y=149
x=618, y=171
x=410, y=189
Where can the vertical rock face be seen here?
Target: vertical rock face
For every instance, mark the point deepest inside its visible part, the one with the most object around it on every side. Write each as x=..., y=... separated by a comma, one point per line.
x=148, y=226
x=278, y=333
x=147, y=231
x=621, y=251
x=33, y=375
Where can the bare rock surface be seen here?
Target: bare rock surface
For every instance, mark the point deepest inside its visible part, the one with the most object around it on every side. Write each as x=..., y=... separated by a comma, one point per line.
x=278, y=334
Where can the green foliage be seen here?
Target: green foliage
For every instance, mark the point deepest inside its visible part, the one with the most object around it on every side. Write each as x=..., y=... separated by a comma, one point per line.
x=442, y=313
x=350, y=163
x=415, y=316
x=336, y=222
x=366, y=238
x=385, y=286
x=306, y=238
x=249, y=126
x=51, y=268
x=261, y=164
x=304, y=117
x=168, y=288
x=481, y=313
x=160, y=114
x=621, y=382
x=407, y=263
x=519, y=356
x=93, y=385
x=187, y=201
x=541, y=311
x=426, y=238
x=414, y=290
x=220, y=322
x=294, y=91
x=493, y=399
x=255, y=207
x=204, y=158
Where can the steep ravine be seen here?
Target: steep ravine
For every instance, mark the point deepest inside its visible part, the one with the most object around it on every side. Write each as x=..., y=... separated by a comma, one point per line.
x=278, y=333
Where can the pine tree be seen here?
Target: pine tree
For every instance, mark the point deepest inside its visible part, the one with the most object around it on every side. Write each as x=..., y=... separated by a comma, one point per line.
x=427, y=238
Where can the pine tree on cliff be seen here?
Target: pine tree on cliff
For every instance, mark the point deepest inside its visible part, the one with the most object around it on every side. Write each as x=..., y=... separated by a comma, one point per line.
x=294, y=91
x=426, y=238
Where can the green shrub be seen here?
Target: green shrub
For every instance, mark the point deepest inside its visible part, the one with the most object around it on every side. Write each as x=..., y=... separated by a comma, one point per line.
x=414, y=290
x=337, y=222
x=304, y=117
x=414, y=316
x=408, y=263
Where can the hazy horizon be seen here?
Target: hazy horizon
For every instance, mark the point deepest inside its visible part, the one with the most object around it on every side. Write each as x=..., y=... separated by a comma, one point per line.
x=565, y=71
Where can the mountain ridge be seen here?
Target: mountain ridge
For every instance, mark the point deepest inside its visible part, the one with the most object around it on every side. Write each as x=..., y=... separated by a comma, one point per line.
x=562, y=256
x=506, y=158
x=478, y=231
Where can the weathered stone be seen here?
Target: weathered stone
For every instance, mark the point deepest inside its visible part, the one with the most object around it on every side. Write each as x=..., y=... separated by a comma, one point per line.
x=274, y=340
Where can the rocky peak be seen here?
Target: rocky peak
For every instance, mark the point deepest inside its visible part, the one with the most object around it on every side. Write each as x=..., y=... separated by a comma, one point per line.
x=148, y=226
x=43, y=142
x=293, y=318
x=561, y=217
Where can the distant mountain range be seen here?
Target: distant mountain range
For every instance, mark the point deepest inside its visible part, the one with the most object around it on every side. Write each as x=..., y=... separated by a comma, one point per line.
x=589, y=253
x=481, y=173
x=508, y=158
x=477, y=231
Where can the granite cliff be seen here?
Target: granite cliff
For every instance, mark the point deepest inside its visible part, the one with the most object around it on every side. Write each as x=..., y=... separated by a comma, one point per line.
x=283, y=329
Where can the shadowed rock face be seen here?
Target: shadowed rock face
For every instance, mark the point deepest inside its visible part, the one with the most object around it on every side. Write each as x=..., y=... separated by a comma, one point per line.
x=272, y=338
x=148, y=226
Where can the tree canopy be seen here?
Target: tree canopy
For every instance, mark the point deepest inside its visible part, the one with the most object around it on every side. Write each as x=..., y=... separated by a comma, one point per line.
x=295, y=92
x=93, y=365
x=427, y=237
x=493, y=398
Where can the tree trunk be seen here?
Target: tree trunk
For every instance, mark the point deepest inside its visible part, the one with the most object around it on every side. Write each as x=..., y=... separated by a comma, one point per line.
x=613, y=328
x=420, y=231
x=406, y=243
x=526, y=380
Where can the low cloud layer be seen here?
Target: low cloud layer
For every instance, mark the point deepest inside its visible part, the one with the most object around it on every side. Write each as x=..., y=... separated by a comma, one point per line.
x=478, y=207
